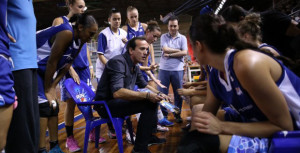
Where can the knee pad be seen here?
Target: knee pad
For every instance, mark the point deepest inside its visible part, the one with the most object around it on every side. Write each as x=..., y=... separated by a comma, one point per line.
x=196, y=142
x=47, y=111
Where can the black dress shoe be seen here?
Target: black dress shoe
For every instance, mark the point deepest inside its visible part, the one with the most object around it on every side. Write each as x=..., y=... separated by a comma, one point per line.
x=146, y=151
x=155, y=140
x=178, y=118
x=186, y=128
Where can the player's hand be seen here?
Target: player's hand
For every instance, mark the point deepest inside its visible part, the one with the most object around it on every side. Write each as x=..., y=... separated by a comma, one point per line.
x=15, y=104
x=158, y=82
x=206, y=122
x=124, y=40
x=11, y=38
x=187, y=84
x=50, y=95
x=74, y=75
x=153, y=67
x=201, y=87
x=92, y=73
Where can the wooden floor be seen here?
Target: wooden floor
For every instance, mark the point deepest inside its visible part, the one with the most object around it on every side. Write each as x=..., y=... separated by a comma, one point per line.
x=173, y=136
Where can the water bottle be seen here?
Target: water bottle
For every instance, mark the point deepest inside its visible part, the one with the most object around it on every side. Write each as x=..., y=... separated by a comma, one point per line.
x=144, y=90
x=163, y=103
x=169, y=106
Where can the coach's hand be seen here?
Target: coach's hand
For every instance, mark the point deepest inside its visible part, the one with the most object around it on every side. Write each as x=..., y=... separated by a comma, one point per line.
x=155, y=97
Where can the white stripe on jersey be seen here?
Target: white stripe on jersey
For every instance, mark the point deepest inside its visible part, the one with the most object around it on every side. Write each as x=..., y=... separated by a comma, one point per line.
x=291, y=96
x=43, y=51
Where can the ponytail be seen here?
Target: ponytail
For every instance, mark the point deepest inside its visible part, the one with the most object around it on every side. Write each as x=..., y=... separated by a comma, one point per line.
x=153, y=25
x=251, y=25
x=234, y=13
x=130, y=8
x=83, y=19
x=113, y=11
x=69, y=2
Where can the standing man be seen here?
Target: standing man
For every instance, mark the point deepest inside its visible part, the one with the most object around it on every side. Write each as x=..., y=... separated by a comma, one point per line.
x=174, y=48
x=121, y=74
x=23, y=135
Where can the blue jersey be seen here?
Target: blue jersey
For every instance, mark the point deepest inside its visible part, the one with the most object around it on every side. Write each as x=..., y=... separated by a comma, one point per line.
x=267, y=45
x=233, y=94
x=44, y=46
x=81, y=61
x=132, y=33
x=65, y=19
x=44, y=50
x=3, y=32
x=109, y=45
x=7, y=93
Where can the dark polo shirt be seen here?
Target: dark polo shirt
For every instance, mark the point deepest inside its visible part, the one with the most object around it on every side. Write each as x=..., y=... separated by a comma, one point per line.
x=119, y=72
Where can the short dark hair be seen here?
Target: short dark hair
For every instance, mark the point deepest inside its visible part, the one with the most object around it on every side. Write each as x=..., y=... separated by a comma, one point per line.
x=112, y=11
x=132, y=43
x=173, y=18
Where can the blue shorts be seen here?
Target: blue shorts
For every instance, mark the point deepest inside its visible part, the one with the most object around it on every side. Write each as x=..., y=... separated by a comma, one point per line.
x=7, y=92
x=84, y=75
x=240, y=144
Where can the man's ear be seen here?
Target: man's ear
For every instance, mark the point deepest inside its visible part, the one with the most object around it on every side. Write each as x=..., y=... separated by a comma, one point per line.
x=70, y=6
x=80, y=27
x=199, y=46
x=147, y=31
x=130, y=51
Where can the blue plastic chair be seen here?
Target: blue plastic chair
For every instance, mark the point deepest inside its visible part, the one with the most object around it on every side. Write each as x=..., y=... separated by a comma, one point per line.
x=285, y=141
x=84, y=97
